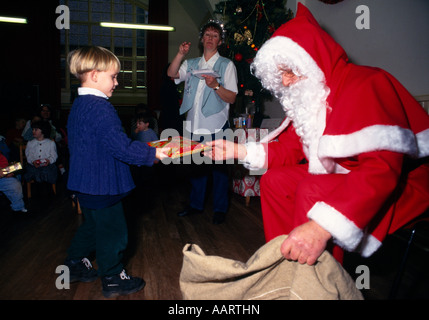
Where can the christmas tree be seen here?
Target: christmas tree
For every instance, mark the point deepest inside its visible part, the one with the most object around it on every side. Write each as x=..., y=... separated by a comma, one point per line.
x=249, y=23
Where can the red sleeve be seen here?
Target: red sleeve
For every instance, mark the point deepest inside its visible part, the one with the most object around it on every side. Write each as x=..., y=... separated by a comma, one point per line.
x=366, y=189
x=286, y=151
x=358, y=196
x=3, y=161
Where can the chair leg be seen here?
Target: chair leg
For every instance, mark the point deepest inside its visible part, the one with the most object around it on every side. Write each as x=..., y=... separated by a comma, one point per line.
x=54, y=188
x=28, y=190
x=75, y=202
x=79, y=210
x=398, y=278
x=247, y=201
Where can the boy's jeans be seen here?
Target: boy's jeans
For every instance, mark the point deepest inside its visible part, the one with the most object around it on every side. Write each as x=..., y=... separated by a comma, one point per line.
x=12, y=189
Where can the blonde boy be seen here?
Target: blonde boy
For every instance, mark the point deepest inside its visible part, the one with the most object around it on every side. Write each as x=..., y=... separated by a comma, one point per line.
x=100, y=155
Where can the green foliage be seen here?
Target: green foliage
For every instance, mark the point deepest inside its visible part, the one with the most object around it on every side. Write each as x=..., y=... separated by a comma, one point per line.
x=249, y=23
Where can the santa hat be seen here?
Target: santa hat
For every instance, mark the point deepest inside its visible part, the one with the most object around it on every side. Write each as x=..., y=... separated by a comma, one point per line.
x=304, y=42
x=308, y=50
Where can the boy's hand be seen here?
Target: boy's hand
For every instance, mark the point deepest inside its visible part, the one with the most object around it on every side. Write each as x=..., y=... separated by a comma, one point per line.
x=162, y=153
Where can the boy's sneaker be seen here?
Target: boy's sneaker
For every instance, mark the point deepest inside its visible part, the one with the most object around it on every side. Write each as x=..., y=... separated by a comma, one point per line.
x=121, y=284
x=81, y=270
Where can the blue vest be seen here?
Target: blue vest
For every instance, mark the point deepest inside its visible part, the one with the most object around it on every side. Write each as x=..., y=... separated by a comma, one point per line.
x=212, y=103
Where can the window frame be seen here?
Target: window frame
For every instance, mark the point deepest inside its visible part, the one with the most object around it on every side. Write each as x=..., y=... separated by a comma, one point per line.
x=137, y=86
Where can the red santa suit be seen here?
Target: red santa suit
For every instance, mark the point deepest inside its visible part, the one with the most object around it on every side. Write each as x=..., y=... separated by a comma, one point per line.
x=363, y=171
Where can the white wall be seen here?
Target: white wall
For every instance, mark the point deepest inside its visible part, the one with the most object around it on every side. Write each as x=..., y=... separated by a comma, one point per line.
x=397, y=41
x=186, y=30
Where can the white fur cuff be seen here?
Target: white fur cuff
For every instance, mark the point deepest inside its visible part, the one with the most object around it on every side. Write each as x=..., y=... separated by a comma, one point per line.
x=256, y=157
x=345, y=233
x=423, y=143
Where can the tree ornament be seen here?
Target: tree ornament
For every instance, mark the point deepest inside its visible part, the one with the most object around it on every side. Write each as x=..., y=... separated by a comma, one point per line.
x=248, y=36
x=250, y=24
x=239, y=38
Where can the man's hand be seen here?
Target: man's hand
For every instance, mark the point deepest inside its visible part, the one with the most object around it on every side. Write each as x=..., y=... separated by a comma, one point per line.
x=305, y=243
x=224, y=150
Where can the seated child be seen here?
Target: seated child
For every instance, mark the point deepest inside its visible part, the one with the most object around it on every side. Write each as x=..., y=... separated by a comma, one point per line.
x=143, y=175
x=41, y=155
x=27, y=132
x=142, y=132
x=11, y=187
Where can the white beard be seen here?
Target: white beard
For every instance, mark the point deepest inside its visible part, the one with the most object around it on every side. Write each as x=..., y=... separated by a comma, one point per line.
x=305, y=104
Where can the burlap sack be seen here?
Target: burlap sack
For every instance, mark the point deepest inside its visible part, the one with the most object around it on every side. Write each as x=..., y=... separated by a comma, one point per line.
x=265, y=276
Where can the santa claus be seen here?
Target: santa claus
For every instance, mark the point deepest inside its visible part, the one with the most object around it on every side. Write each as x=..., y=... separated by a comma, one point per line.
x=349, y=163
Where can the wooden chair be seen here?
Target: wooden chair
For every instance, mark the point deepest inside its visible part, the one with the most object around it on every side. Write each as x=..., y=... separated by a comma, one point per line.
x=419, y=225
x=75, y=201
x=75, y=204
x=23, y=160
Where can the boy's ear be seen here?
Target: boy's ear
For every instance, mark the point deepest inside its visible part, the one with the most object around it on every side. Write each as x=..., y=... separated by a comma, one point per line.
x=93, y=75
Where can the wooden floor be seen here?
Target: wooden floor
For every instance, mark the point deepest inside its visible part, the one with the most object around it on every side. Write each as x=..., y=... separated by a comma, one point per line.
x=33, y=245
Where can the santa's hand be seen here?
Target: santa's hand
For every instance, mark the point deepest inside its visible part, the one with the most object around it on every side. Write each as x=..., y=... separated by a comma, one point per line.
x=223, y=149
x=305, y=243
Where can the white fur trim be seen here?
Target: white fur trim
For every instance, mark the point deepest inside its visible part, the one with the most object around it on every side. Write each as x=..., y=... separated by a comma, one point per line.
x=345, y=233
x=315, y=165
x=274, y=134
x=373, y=138
x=369, y=245
x=283, y=50
x=423, y=143
x=256, y=157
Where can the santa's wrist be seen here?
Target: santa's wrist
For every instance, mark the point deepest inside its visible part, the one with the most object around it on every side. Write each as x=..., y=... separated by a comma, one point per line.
x=322, y=232
x=240, y=152
x=255, y=156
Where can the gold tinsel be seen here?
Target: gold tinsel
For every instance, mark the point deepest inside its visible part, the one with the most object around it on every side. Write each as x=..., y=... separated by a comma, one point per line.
x=246, y=36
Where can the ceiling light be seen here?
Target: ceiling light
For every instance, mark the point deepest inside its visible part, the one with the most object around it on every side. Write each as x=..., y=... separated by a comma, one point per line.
x=13, y=20
x=137, y=26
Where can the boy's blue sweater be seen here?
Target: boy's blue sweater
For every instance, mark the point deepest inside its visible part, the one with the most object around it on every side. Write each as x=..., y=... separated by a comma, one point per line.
x=100, y=152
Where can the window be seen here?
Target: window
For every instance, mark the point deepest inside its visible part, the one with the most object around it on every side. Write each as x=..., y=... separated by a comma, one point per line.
x=128, y=45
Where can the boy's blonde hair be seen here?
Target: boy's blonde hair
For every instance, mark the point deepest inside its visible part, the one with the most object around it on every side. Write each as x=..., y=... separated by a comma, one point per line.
x=86, y=59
